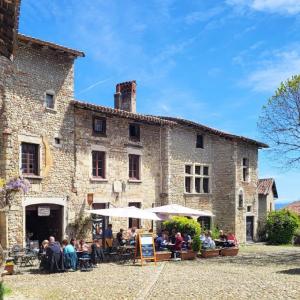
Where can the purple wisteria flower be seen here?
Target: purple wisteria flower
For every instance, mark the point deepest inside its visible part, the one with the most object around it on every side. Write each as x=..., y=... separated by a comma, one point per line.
x=18, y=184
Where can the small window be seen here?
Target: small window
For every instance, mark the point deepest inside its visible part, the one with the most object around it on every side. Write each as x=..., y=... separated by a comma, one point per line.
x=49, y=100
x=241, y=200
x=134, y=167
x=199, y=142
x=57, y=141
x=134, y=132
x=249, y=207
x=198, y=170
x=245, y=169
x=99, y=125
x=98, y=158
x=197, y=179
x=30, y=157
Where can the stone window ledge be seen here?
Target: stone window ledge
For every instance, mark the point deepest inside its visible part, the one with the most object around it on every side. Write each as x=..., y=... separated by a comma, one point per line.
x=51, y=110
x=197, y=194
x=95, y=179
x=32, y=177
x=134, y=181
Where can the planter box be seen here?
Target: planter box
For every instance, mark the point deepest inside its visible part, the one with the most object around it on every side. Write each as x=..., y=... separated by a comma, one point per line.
x=163, y=255
x=229, y=251
x=210, y=253
x=185, y=255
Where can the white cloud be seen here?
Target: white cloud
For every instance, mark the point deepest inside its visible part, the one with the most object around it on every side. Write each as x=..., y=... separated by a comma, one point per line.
x=203, y=15
x=271, y=72
x=291, y=7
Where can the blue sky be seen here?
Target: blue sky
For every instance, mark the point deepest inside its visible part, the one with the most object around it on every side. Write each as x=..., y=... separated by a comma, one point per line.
x=214, y=62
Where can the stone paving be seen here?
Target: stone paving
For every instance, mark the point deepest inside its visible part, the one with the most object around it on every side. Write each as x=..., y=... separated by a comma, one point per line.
x=258, y=272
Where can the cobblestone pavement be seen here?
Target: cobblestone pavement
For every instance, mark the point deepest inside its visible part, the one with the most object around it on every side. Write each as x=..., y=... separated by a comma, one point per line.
x=258, y=272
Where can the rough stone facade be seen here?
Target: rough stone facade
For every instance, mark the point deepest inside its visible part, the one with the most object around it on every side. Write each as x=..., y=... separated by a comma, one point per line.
x=65, y=141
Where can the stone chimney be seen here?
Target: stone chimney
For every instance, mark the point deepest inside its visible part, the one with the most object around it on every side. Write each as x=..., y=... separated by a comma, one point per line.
x=125, y=96
x=9, y=22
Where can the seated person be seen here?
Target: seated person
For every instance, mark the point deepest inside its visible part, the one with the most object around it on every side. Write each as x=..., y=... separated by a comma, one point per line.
x=208, y=243
x=70, y=256
x=132, y=236
x=120, y=237
x=173, y=236
x=187, y=241
x=42, y=254
x=202, y=237
x=161, y=242
x=231, y=240
x=178, y=244
x=74, y=243
x=54, y=256
x=222, y=239
x=83, y=248
x=97, y=252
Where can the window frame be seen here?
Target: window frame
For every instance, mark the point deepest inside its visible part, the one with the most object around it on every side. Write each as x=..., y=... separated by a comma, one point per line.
x=103, y=119
x=201, y=144
x=241, y=200
x=135, y=138
x=36, y=169
x=245, y=170
x=50, y=93
x=103, y=154
x=130, y=169
x=196, y=177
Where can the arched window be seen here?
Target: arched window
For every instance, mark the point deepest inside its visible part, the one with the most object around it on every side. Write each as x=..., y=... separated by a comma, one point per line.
x=241, y=199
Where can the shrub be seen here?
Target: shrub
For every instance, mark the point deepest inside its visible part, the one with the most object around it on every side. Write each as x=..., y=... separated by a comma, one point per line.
x=215, y=233
x=281, y=226
x=196, y=244
x=297, y=237
x=183, y=225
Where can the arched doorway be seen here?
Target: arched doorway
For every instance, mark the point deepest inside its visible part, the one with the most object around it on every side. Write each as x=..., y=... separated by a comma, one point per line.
x=44, y=220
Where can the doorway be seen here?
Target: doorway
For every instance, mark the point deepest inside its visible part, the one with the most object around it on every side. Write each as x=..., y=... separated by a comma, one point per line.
x=132, y=222
x=43, y=221
x=249, y=228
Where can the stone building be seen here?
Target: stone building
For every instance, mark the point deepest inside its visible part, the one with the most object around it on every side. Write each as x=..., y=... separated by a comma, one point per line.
x=79, y=155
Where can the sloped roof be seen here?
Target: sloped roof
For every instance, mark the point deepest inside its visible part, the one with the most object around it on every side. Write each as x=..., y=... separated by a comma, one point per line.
x=266, y=185
x=30, y=40
x=295, y=207
x=215, y=131
x=122, y=113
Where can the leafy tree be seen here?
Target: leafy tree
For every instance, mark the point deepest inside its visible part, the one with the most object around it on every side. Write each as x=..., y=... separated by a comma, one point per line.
x=280, y=122
x=281, y=226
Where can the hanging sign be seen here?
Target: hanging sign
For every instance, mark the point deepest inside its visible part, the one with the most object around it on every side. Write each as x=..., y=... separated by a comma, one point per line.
x=43, y=211
x=144, y=248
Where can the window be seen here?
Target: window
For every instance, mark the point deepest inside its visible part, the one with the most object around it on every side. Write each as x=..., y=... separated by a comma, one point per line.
x=205, y=222
x=98, y=158
x=50, y=100
x=134, y=167
x=99, y=125
x=197, y=179
x=30, y=156
x=57, y=141
x=241, y=199
x=136, y=223
x=134, y=132
x=245, y=169
x=199, y=142
x=249, y=207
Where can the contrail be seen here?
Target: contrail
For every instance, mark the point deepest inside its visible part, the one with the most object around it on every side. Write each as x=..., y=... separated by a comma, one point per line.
x=93, y=85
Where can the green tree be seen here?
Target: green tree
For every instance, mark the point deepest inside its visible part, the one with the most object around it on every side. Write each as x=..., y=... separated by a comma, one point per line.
x=280, y=122
x=281, y=226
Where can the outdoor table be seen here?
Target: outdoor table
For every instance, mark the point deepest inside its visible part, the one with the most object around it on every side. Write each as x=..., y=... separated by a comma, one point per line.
x=219, y=242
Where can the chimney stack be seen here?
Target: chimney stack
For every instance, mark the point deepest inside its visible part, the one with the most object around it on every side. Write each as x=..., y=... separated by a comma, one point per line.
x=125, y=96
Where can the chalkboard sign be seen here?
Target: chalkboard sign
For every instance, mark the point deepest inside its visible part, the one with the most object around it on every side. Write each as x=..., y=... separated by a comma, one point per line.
x=145, y=249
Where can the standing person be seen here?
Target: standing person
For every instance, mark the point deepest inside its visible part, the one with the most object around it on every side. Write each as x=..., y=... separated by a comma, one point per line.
x=54, y=256
x=108, y=235
x=97, y=252
x=178, y=244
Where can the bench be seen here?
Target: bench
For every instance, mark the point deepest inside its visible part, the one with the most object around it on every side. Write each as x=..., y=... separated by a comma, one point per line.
x=163, y=255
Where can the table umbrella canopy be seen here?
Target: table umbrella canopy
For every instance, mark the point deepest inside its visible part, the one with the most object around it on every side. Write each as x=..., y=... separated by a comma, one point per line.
x=127, y=212
x=179, y=210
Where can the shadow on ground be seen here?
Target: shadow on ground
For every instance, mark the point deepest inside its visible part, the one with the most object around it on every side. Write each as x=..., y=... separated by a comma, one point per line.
x=295, y=271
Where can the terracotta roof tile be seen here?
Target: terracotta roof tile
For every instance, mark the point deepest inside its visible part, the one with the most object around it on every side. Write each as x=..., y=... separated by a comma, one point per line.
x=122, y=113
x=28, y=39
x=295, y=207
x=266, y=185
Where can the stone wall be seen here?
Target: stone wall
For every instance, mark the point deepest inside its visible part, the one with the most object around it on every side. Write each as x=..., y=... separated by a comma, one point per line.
x=117, y=146
x=28, y=120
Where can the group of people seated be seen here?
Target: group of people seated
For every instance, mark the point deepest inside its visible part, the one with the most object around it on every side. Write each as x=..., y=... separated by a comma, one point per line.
x=223, y=240
x=66, y=256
